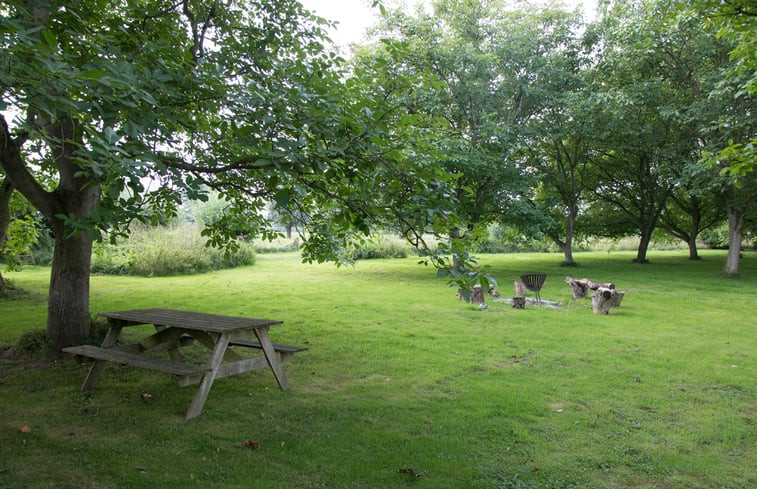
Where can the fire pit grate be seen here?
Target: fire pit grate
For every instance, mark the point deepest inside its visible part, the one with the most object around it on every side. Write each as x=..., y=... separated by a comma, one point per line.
x=534, y=282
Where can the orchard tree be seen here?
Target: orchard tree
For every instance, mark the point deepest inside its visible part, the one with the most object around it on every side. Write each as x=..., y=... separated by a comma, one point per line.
x=664, y=72
x=188, y=96
x=497, y=68
x=732, y=148
x=559, y=135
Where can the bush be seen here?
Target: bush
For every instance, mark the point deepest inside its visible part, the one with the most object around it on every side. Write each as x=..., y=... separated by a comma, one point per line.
x=503, y=239
x=180, y=250
x=163, y=251
x=380, y=247
x=110, y=259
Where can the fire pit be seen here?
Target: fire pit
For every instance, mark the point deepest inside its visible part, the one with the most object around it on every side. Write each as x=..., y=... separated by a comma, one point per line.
x=534, y=282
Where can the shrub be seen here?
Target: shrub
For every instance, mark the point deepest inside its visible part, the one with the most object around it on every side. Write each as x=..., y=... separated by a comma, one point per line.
x=180, y=250
x=110, y=259
x=380, y=247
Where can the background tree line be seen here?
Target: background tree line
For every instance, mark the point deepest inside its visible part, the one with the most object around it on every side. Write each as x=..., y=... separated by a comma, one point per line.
x=446, y=122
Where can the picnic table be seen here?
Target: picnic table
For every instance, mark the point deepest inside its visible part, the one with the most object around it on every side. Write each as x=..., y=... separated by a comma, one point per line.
x=175, y=329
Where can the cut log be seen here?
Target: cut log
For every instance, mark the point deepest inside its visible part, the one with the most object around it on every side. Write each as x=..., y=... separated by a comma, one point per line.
x=519, y=302
x=604, y=299
x=580, y=287
x=520, y=289
x=477, y=296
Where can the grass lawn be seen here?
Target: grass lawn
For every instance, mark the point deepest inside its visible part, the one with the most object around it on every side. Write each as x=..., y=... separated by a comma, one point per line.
x=405, y=386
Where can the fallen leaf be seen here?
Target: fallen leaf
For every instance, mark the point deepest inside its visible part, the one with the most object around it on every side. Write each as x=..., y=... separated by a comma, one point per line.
x=409, y=471
x=25, y=429
x=146, y=396
x=252, y=444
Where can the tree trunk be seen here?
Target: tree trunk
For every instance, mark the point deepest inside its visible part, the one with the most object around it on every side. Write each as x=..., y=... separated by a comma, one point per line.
x=568, y=247
x=735, y=236
x=641, y=254
x=68, y=303
x=696, y=222
x=6, y=189
x=693, y=252
x=454, y=234
x=76, y=196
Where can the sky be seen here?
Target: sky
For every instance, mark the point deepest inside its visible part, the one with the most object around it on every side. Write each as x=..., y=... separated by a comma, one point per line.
x=355, y=16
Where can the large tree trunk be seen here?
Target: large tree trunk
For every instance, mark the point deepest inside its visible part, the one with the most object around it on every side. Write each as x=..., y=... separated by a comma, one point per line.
x=735, y=236
x=68, y=303
x=76, y=196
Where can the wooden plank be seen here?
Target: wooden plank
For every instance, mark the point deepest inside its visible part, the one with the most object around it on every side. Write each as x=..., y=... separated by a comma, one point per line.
x=242, y=366
x=116, y=356
x=198, y=401
x=272, y=357
x=98, y=366
x=187, y=319
x=276, y=346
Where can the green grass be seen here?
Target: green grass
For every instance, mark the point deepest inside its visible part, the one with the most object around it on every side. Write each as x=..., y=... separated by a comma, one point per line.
x=399, y=374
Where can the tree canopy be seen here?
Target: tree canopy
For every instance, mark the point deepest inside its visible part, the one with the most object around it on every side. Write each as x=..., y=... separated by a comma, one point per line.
x=113, y=111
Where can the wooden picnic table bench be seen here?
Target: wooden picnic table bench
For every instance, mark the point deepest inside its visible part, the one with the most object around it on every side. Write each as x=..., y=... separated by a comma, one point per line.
x=175, y=329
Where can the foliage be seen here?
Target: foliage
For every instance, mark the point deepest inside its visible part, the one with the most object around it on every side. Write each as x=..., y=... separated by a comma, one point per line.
x=381, y=246
x=20, y=231
x=464, y=272
x=127, y=109
x=167, y=251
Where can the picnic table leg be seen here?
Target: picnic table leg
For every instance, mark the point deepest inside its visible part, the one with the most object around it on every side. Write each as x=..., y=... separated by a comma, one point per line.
x=207, y=381
x=272, y=358
x=99, y=365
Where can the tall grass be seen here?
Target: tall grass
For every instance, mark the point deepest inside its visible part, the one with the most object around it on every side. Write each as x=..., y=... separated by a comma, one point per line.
x=161, y=251
x=402, y=379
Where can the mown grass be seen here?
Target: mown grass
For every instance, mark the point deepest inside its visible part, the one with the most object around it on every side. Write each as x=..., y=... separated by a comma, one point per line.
x=401, y=375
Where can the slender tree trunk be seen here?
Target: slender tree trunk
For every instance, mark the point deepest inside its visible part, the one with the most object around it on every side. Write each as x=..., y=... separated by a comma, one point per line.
x=454, y=234
x=696, y=222
x=641, y=254
x=693, y=252
x=735, y=236
x=568, y=247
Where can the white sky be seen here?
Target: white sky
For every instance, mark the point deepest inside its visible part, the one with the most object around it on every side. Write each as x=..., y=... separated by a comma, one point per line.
x=355, y=16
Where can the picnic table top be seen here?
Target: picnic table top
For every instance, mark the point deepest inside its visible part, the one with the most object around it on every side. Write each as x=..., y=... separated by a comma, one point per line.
x=214, y=323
